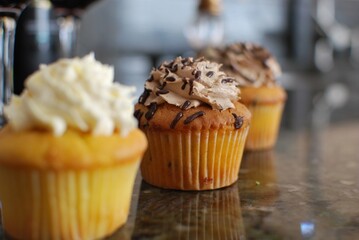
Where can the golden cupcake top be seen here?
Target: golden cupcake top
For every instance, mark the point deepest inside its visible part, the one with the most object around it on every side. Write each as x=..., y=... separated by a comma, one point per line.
x=188, y=83
x=250, y=64
x=77, y=94
x=170, y=117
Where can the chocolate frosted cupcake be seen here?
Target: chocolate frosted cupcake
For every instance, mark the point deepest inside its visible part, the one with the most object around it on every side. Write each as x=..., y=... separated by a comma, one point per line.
x=195, y=125
x=255, y=71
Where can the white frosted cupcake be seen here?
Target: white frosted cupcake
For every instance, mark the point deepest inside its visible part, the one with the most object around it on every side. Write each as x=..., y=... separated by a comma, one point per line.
x=69, y=154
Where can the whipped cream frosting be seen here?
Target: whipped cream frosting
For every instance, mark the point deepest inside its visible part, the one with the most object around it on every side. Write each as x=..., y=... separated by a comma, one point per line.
x=76, y=93
x=187, y=83
x=250, y=64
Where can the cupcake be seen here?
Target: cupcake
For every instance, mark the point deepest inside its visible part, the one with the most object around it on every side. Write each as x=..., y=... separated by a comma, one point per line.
x=255, y=71
x=195, y=126
x=69, y=153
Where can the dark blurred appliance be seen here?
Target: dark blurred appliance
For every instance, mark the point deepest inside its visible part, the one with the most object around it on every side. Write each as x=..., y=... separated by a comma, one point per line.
x=36, y=41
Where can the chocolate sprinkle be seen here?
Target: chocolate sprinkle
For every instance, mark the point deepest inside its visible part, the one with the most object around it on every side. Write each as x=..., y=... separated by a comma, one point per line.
x=198, y=74
x=227, y=80
x=174, y=68
x=185, y=105
x=169, y=65
x=238, y=121
x=138, y=115
x=176, y=119
x=144, y=96
x=167, y=72
x=163, y=85
x=170, y=79
x=162, y=91
x=152, y=110
x=190, y=86
x=193, y=117
x=185, y=62
x=184, y=83
x=209, y=74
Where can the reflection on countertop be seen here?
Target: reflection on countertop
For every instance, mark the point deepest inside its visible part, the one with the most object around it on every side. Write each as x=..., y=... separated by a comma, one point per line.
x=307, y=188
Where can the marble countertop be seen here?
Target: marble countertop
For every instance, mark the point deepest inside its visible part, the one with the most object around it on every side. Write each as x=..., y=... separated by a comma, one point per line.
x=306, y=188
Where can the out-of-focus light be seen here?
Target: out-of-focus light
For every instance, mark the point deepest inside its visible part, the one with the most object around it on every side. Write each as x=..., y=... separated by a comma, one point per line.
x=307, y=229
x=323, y=55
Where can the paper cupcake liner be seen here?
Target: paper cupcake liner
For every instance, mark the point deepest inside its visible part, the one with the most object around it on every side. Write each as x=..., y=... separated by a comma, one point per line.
x=265, y=125
x=193, y=160
x=189, y=215
x=84, y=204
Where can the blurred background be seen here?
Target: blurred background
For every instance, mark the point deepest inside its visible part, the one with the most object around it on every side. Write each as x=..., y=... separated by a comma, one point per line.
x=315, y=41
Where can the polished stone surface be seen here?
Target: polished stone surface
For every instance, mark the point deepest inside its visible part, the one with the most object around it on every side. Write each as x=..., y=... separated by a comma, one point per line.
x=306, y=188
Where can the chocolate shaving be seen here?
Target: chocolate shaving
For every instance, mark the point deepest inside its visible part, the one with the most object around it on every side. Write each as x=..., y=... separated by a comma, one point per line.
x=194, y=72
x=144, y=96
x=170, y=79
x=176, y=119
x=150, y=79
x=209, y=74
x=238, y=121
x=151, y=111
x=185, y=105
x=193, y=117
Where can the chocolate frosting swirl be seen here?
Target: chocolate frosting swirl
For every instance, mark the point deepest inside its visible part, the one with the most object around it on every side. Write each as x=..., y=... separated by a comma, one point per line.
x=250, y=64
x=188, y=83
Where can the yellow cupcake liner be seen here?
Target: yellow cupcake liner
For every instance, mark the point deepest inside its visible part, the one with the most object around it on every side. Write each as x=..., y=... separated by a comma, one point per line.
x=193, y=160
x=265, y=125
x=83, y=204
